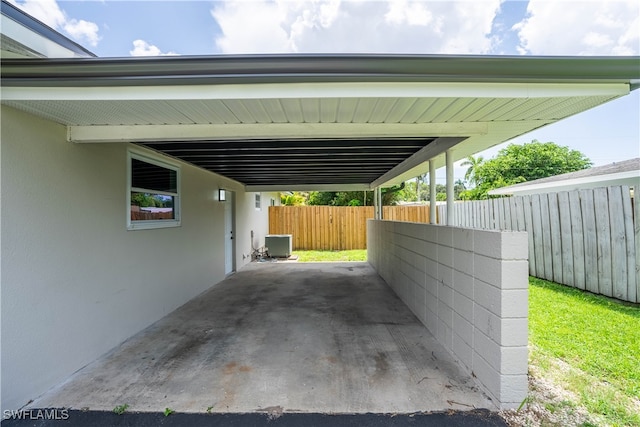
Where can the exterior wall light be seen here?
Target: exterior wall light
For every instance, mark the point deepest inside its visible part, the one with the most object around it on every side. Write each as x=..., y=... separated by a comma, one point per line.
x=222, y=195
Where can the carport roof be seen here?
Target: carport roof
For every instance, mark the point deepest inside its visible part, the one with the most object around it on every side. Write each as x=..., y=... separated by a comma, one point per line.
x=287, y=122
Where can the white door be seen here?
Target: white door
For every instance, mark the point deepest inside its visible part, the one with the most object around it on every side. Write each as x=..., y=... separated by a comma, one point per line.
x=229, y=242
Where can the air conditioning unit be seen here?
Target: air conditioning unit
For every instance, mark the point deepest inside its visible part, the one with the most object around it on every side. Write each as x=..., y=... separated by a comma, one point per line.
x=278, y=245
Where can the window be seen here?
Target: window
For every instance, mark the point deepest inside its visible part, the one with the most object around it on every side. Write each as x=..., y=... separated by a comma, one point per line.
x=258, y=203
x=153, y=195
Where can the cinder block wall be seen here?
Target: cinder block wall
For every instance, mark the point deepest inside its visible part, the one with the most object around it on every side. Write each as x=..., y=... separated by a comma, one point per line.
x=469, y=288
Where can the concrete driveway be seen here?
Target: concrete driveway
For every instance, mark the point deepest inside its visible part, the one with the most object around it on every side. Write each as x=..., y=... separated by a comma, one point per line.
x=279, y=337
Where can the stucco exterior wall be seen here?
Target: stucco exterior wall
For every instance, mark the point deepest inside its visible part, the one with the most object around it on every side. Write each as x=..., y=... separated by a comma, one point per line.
x=470, y=289
x=248, y=219
x=75, y=282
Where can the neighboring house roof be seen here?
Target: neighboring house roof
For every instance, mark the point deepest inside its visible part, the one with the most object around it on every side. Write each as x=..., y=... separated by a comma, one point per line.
x=313, y=122
x=626, y=172
x=23, y=36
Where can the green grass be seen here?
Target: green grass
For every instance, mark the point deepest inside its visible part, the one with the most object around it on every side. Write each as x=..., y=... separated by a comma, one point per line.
x=597, y=336
x=331, y=256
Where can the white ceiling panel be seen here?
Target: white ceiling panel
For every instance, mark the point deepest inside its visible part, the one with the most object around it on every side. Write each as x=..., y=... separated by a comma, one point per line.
x=346, y=110
x=239, y=109
x=364, y=109
x=382, y=110
x=329, y=110
x=469, y=109
x=417, y=109
x=310, y=110
x=442, y=109
x=292, y=110
x=275, y=110
x=401, y=107
x=505, y=111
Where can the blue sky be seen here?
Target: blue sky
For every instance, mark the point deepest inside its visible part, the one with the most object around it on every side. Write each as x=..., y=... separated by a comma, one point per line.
x=605, y=134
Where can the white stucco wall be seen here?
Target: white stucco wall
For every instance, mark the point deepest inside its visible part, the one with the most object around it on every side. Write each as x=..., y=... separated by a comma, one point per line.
x=75, y=282
x=249, y=218
x=470, y=289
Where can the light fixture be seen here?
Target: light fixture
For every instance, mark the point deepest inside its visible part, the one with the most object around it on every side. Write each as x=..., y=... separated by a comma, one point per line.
x=222, y=195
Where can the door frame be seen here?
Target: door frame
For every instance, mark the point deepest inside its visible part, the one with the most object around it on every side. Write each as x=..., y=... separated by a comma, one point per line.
x=230, y=233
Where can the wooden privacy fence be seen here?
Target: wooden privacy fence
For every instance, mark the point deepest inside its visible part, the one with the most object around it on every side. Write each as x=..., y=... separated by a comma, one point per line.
x=585, y=238
x=334, y=227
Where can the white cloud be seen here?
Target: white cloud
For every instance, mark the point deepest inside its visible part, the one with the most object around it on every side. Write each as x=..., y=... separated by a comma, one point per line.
x=401, y=26
x=580, y=28
x=409, y=13
x=142, y=48
x=82, y=30
x=49, y=12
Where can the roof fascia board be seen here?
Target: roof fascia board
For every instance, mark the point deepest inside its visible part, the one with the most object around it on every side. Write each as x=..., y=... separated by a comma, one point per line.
x=416, y=161
x=620, y=178
x=314, y=90
x=38, y=36
x=318, y=68
x=192, y=132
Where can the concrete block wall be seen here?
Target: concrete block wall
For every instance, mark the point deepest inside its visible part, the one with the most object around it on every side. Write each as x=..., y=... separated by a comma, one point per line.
x=470, y=289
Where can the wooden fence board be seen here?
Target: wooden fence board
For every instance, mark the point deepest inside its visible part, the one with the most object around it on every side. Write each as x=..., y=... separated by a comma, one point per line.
x=590, y=240
x=513, y=213
x=556, y=239
x=566, y=238
x=495, y=214
x=536, y=231
x=618, y=243
x=528, y=220
x=627, y=215
x=578, y=240
x=636, y=216
x=507, y=214
x=547, y=251
x=519, y=201
x=475, y=219
x=538, y=242
x=603, y=237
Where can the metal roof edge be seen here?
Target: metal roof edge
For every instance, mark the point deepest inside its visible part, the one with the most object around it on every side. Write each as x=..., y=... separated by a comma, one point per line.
x=291, y=68
x=40, y=28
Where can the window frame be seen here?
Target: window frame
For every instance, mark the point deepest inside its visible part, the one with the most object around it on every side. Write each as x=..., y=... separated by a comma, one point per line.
x=258, y=201
x=149, y=223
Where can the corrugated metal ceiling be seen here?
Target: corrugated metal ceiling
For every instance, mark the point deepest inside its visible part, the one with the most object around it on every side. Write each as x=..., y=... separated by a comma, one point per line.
x=317, y=110
x=283, y=162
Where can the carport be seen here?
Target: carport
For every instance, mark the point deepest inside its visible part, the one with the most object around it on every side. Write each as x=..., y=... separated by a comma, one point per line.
x=319, y=338
x=323, y=122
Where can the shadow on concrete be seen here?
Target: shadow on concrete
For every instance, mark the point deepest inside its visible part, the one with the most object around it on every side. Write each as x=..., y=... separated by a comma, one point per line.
x=475, y=418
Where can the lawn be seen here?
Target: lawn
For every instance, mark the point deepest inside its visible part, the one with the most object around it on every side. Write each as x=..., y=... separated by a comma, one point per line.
x=589, y=347
x=331, y=256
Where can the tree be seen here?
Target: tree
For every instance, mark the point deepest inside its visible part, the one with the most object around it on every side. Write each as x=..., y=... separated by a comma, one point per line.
x=458, y=188
x=321, y=198
x=473, y=163
x=527, y=162
x=294, y=198
x=419, y=179
x=390, y=196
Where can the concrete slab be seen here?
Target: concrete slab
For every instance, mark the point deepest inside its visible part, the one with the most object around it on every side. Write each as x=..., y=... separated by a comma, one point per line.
x=279, y=337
